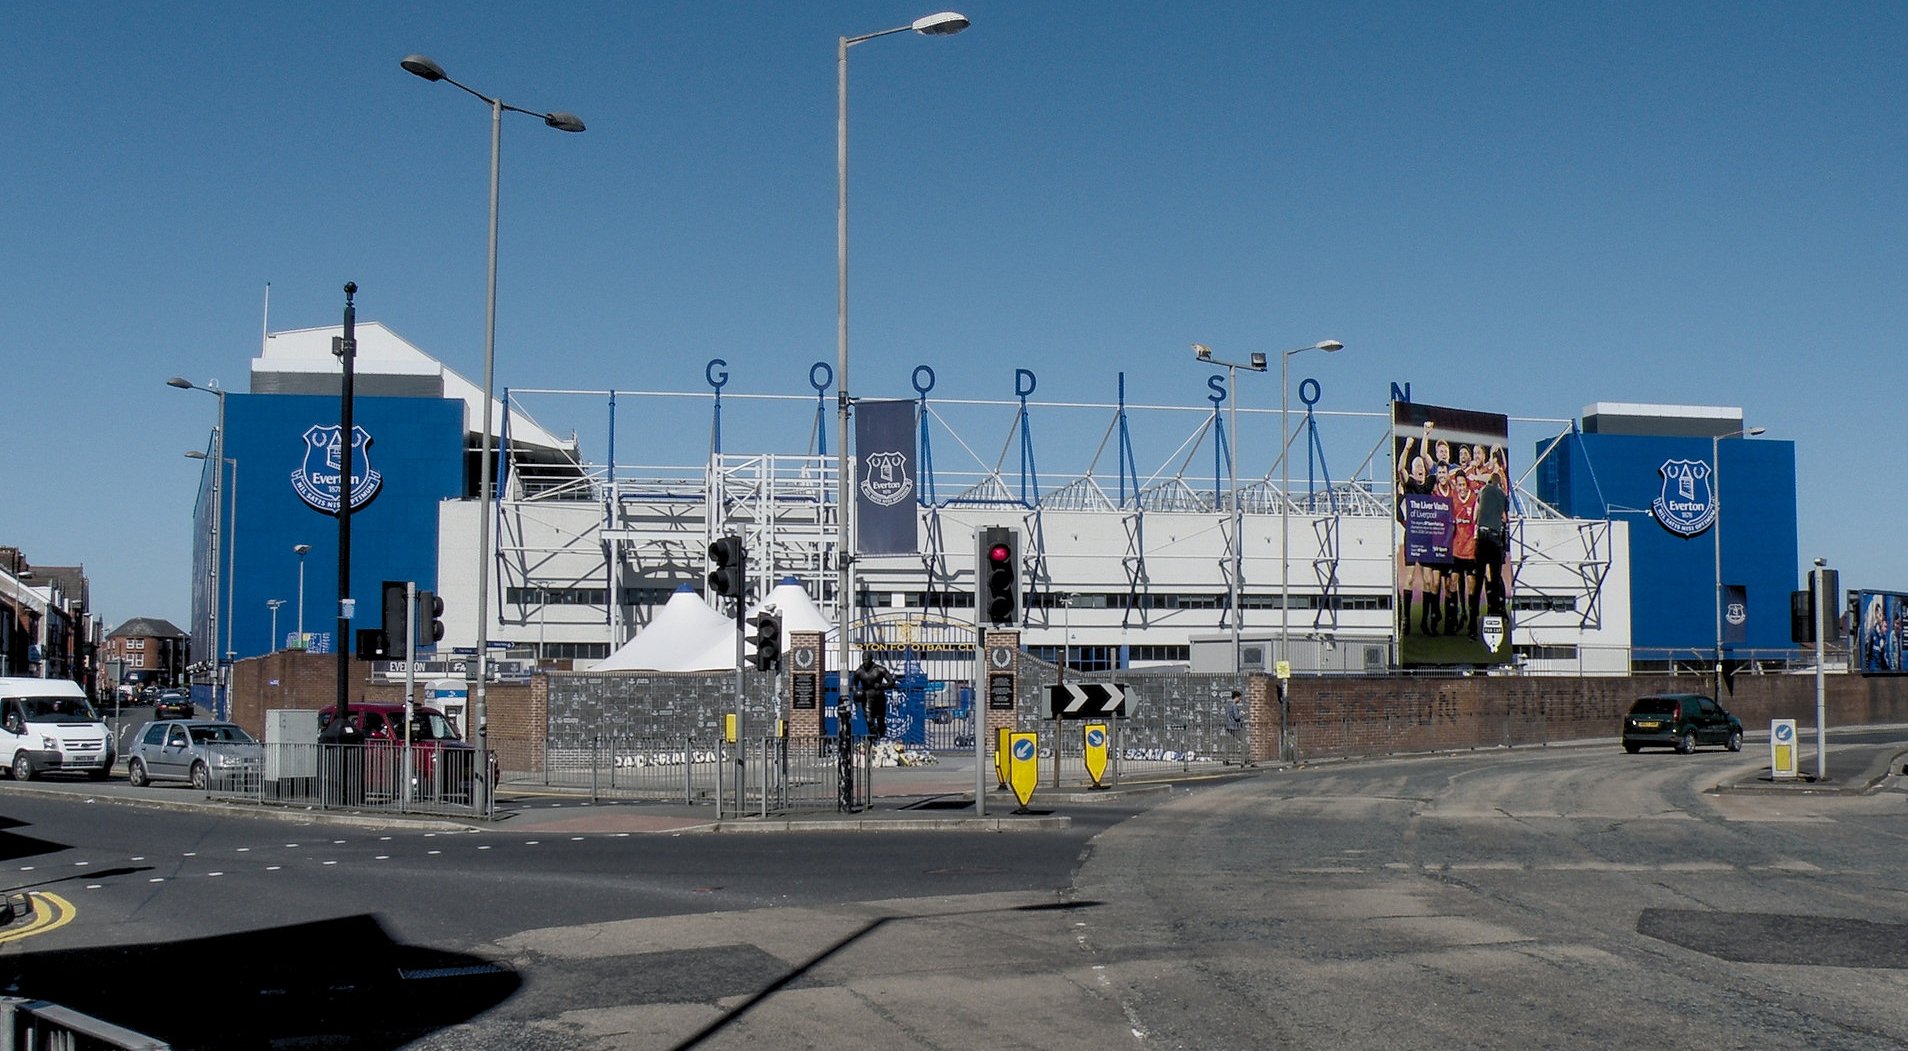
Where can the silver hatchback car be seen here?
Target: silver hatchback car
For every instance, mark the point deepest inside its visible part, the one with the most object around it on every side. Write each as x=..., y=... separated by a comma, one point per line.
x=203, y=752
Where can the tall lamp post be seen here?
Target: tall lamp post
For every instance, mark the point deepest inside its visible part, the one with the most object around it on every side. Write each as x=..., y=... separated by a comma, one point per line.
x=424, y=67
x=1237, y=545
x=218, y=513
x=1715, y=536
x=231, y=576
x=945, y=23
x=301, y=550
x=1329, y=346
x=273, y=604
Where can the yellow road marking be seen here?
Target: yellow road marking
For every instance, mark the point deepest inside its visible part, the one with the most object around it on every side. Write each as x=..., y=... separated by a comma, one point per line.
x=50, y=913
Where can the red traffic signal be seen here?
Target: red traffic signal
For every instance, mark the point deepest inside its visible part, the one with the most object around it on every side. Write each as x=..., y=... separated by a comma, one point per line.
x=997, y=579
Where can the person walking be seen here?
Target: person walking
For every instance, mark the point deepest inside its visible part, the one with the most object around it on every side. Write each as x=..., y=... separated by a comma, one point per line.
x=1236, y=726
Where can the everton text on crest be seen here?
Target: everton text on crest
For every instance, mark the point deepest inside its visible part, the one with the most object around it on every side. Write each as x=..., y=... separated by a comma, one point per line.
x=317, y=479
x=1686, y=505
x=887, y=482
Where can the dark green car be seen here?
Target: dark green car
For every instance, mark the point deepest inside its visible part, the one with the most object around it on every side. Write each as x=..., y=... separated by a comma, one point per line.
x=1680, y=721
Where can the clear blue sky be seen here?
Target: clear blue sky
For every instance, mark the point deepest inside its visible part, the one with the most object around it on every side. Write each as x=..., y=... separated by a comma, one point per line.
x=1521, y=208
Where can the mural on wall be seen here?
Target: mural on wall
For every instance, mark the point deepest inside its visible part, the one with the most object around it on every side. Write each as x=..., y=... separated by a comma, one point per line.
x=1452, y=501
x=317, y=478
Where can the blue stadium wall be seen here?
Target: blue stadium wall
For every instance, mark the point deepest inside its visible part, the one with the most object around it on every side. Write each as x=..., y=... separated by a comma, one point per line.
x=1672, y=577
x=416, y=445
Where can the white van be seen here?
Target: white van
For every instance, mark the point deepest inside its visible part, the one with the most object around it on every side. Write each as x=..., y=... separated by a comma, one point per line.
x=46, y=724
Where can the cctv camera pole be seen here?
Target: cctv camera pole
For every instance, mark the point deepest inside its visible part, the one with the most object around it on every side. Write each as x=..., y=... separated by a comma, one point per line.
x=339, y=731
x=1820, y=611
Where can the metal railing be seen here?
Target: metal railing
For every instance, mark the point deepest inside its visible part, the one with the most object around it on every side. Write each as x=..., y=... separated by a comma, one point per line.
x=376, y=775
x=36, y=1025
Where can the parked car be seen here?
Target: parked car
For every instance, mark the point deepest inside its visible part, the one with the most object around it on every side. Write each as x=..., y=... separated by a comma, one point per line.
x=204, y=752
x=172, y=704
x=443, y=764
x=1680, y=721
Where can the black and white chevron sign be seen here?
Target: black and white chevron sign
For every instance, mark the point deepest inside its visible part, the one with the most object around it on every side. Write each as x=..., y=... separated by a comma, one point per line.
x=1088, y=700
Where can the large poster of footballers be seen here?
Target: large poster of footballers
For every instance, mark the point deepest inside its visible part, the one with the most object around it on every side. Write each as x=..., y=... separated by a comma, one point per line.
x=1453, y=561
x=1880, y=617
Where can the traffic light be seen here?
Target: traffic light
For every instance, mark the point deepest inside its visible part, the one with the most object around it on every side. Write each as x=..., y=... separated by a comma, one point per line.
x=397, y=616
x=373, y=645
x=728, y=566
x=997, y=577
x=768, y=642
x=430, y=618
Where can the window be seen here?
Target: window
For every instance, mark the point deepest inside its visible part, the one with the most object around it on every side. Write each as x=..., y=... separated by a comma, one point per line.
x=1176, y=654
x=157, y=731
x=556, y=651
x=549, y=596
x=1546, y=653
x=135, y=645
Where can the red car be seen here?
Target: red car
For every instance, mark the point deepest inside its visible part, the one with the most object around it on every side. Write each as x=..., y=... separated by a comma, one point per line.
x=443, y=765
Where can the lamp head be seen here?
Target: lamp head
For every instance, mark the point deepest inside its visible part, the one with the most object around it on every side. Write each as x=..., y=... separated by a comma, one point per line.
x=300, y=549
x=422, y=66
x=180, y=382
x=563, y=121
x=195, y=455
x=1328, y=345
x=1202, y=352
x=943, y=23
x=1753, y=431
x=1820, y=562
x=1258, y=361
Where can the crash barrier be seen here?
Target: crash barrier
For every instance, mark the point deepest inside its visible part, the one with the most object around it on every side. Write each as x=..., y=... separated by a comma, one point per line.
x=374, y=775
x=36, y=1025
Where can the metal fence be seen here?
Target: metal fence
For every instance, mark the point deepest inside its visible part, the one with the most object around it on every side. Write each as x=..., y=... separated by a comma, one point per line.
x=33, y=1025
x=369, y=776
x=754, y=776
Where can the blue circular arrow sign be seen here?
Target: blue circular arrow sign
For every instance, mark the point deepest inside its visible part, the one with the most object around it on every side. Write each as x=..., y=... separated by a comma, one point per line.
x=1096, y=738
x=1023, y=750
x=1784, y=731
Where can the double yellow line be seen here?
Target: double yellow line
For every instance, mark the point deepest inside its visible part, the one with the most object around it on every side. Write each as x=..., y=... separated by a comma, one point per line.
x=50, y=913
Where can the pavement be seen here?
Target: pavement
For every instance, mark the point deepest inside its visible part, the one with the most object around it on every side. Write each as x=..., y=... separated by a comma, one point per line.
x=934, y=797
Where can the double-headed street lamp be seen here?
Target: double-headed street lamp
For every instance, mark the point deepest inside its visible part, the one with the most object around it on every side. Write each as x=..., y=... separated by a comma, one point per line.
x=273, y=604
x=945, y=23
x=1237, y=545
x=1715, y=535
x=422, y=66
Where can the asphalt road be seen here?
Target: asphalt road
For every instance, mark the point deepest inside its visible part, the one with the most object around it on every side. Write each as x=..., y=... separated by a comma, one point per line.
x=1564, y=897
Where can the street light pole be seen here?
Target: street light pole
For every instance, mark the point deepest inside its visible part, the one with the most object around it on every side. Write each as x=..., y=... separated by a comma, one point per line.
x=421, y=66
x=1329, y=346
x=273, y=604
x=1236, y=547
x=1715, y=537
x=301, y=550
x=945, y=23
x=217, y=456
x=222, y=679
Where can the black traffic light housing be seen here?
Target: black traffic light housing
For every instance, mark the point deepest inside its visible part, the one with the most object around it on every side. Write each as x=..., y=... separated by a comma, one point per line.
x=768, y=641
x=997, y=577
x=397, y=617
x=430, y=618
x=728, y=567
x=373, y=645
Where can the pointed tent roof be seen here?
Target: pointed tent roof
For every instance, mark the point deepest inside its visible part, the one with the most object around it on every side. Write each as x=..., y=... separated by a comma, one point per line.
x=798, y=611
x=683, y=631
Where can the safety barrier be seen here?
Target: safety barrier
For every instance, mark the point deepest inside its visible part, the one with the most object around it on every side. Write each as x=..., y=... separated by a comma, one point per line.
x=375, y=775
x=36, y=1025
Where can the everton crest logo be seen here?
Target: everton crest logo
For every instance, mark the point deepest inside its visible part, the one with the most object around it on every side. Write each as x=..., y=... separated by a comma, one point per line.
x=317, y=480
x=1686, y=505
x=887, y=482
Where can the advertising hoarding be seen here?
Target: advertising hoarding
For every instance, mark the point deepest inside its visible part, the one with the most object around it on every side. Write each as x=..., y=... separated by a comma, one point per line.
x=1880, y=618
x=1452, y=501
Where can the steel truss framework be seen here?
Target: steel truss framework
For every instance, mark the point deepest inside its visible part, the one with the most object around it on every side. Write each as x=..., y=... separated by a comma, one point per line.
x=655, y=523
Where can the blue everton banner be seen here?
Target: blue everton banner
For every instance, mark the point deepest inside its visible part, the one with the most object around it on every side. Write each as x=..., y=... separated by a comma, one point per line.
x=885, y=489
